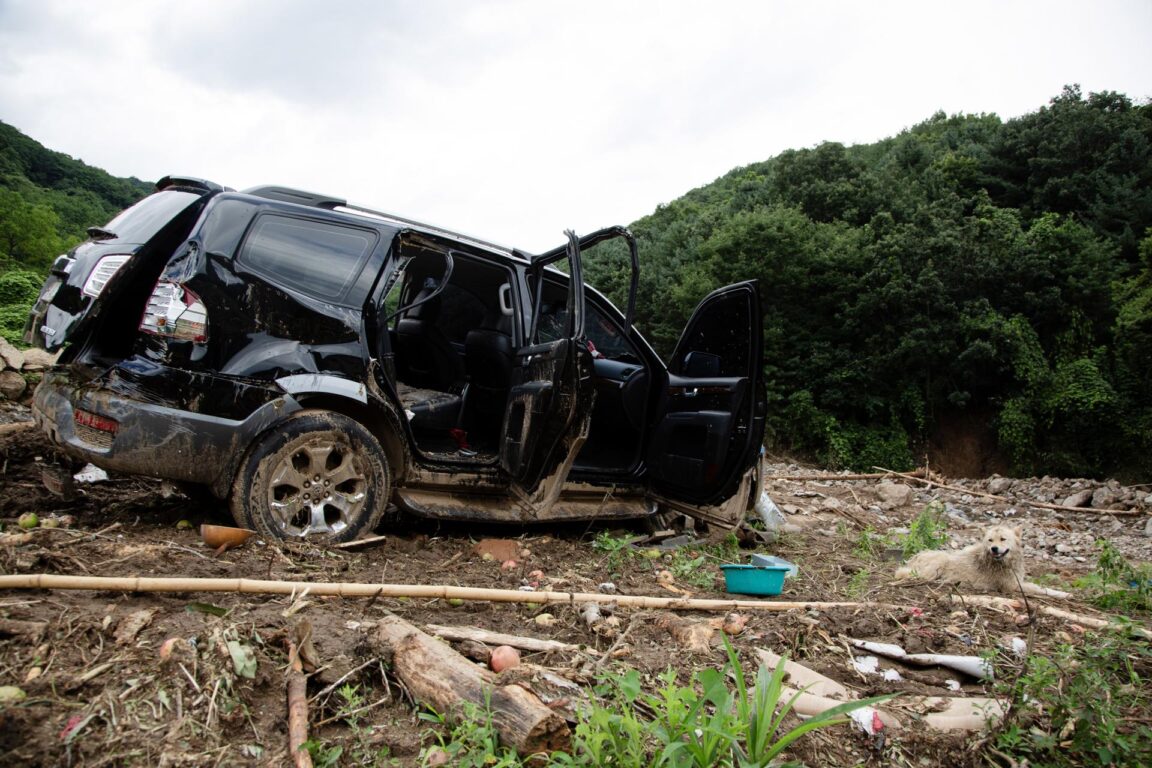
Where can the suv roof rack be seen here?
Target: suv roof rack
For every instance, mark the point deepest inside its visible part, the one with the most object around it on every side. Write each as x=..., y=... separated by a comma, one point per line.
x=298, y=196
x=327, y=202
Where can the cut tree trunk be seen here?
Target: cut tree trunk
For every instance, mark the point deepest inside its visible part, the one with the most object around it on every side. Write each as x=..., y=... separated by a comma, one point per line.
x=445, y=681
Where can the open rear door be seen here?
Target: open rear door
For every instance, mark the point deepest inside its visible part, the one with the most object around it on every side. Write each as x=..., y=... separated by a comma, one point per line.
x=550, y=402
x=711, y=413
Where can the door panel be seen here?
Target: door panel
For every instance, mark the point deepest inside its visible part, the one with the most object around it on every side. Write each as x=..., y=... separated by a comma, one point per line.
x=550, y=401
x=711, y=416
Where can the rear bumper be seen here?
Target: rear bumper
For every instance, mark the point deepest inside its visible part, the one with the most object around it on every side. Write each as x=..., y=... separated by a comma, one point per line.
x=124, y=434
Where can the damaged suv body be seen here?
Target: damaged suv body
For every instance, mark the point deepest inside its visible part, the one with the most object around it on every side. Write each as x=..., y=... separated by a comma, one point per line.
x=312, y=362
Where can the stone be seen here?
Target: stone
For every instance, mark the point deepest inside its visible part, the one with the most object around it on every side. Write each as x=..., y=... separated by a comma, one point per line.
x=1102, y=497
x=893, y=494
x=1078, y=499
x=12, y=385
x=13, y=358
x=38, y=359
x=999, y=485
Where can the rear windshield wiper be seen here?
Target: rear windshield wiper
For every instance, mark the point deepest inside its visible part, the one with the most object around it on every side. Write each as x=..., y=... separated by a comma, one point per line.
x=99, y=233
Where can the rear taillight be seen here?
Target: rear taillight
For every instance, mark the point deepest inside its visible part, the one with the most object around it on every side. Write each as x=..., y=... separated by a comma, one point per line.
x=175, y=312
x=105, y=269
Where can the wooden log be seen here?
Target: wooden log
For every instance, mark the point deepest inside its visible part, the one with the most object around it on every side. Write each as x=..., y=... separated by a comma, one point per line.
x=419, y=591
x=499, y=638
x=445, y=681
x=297, y=686
x=30, y=630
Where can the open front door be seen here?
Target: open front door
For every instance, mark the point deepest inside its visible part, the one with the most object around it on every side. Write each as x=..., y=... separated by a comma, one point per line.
x=549, y=405
x=711, y=413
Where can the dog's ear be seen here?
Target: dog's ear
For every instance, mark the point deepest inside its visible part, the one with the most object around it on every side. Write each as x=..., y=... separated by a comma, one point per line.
x=1019, y=531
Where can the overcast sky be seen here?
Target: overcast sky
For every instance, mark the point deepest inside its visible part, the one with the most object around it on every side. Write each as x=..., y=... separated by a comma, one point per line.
x=513, y=120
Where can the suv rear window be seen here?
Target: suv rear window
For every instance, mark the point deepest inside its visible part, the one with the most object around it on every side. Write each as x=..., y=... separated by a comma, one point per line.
x=317, y=257
x=140, y=222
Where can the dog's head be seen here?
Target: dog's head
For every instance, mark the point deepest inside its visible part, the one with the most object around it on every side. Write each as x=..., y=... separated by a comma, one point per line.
x=1000, y=540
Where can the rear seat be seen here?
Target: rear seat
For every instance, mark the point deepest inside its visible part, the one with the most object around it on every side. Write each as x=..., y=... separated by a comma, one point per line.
x=430, y=409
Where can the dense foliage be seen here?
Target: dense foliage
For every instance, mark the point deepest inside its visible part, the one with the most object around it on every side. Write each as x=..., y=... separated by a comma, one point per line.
x=47, y=200
x=968, y=270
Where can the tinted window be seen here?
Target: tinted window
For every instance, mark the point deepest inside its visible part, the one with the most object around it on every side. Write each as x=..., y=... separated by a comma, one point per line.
x=317, y=257
x=722, y=331
x=140, y=222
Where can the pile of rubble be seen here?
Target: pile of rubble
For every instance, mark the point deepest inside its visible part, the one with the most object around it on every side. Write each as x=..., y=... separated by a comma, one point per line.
x=1063, y=518
x=17, y=363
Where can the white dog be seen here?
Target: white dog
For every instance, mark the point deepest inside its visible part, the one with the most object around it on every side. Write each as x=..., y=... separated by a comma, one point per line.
x=993, y=564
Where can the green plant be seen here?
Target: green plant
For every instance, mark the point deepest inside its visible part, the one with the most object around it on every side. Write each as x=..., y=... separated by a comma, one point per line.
x=470, y=740
x=1085, y=705
x=703, y=724
x=857, y=584
x=617, y=548
x=1117, y=584
x=868, y=544
x=929, y=530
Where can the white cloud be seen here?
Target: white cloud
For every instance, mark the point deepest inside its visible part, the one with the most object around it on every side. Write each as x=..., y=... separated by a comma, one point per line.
x=516, y=119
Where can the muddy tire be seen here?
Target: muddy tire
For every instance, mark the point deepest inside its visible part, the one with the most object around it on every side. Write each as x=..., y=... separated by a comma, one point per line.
x=319, y=475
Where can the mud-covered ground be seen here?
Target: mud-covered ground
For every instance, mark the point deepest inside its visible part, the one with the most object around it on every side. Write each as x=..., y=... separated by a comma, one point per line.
x=101, y=689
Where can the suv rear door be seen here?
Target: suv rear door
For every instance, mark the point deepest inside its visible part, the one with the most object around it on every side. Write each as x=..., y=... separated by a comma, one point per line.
x=81, y=282
x=549, y=406
x=710, y=417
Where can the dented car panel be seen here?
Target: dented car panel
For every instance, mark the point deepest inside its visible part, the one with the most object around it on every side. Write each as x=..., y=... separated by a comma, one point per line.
x=310, y=361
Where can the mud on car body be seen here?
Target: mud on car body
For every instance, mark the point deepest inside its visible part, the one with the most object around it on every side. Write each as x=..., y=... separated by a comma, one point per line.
x=313, y=362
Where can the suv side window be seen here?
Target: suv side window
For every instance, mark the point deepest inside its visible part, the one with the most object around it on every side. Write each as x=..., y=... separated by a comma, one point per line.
x=316, y=257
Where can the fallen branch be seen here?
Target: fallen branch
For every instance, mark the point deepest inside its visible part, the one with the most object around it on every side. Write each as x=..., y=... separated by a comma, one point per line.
x=1005, y=500
x=356, y=543
x=499, y=638
x=990, y=601
x=31, y=630
x=19, y=426
x=418, y=591
x=297, y=710
x=827, y=476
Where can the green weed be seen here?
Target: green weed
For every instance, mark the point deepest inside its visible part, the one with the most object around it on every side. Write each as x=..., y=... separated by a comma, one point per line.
x=1085, y=705
x=929, y=530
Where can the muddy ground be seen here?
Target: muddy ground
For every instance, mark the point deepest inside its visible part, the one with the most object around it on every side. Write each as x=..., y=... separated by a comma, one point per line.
x=99, y=693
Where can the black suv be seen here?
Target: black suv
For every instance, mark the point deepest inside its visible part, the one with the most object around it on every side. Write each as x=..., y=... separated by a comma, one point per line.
x=312, y=361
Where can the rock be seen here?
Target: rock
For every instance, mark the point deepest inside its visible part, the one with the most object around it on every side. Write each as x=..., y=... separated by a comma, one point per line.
x=1063, y=549
x=831, y=503
x=12, y=385
x=893, y=494
x=1148, y=528
x=13, y=358
x=1102, y=497
x=37, y=359
x=998, y=485
x=1079, y=499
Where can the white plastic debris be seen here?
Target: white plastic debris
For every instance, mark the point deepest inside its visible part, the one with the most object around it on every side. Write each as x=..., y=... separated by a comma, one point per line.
x=867, y=719
x=770, y=515
x=90, y=474
x=969, y=665
x=953, y=685
x=870, y=665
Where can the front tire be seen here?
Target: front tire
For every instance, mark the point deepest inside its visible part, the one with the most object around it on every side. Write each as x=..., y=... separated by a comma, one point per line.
x=320, y=475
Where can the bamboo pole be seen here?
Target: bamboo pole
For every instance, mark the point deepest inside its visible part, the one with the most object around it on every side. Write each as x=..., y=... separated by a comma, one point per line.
x=1011, y=603
x=427, y=591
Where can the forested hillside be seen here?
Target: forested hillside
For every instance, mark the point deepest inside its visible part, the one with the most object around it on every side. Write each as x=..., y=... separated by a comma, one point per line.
x=47, y=200
x=969, y=280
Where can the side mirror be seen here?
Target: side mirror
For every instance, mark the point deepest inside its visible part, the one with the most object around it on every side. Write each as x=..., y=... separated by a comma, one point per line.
x=700, y=365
